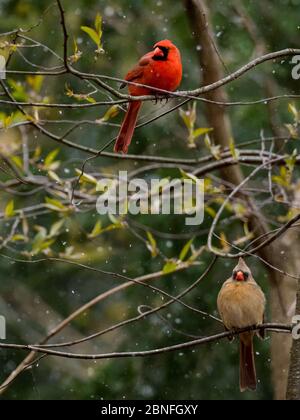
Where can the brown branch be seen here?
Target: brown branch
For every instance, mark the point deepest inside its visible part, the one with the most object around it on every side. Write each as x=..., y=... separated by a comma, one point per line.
x=192, y=94
x=262, y=245
x=65, y=33
x=11, y=234
x=20, y=368
x=182, y=346
x=147, y=313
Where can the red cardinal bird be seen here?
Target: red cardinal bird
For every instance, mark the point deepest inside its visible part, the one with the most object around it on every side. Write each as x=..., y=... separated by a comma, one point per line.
x=160, y=68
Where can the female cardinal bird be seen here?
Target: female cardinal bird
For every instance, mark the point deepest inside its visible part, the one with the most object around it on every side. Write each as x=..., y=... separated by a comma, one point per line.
x=241, y=304
x=161, y=69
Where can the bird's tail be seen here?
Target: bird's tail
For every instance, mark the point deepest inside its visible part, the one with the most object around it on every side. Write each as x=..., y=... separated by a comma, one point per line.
x=128, y=126
x=248, y=379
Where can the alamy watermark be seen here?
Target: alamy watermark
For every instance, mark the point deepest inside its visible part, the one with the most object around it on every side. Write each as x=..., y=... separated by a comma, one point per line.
x=296, y=68
x=2, y=67
x=122, y=196
x=296, y=328
x=2, y=328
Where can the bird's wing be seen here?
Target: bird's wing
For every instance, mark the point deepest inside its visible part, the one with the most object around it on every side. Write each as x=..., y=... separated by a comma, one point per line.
x=137, y=72
x=262, y=333
x=145, y=60
x=133, y=75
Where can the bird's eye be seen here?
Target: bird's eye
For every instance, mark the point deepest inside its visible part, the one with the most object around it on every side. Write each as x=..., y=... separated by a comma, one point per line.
x=246, y=275
x=234, y=274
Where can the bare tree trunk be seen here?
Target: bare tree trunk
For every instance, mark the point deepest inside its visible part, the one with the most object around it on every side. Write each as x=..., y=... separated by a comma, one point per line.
x=212, y=71
x=282, y=290
x=293, y=389
x=288, y=259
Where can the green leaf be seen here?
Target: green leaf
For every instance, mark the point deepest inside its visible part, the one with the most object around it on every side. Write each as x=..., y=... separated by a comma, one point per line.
x=201, y=131
x=224, y=243
x=240, y=210
x=8, y=121
x=92, y=34
x=112, y=112
x=291, y=160
x=76, y=49
x=38, y=241
x=77, y=53
x=19, y=238
x=152, y=245
x=41, y=229
x=52, y=175
x=79, y=96
x=186, y=249
x=98, y=24
x=234, y=152
x=35, y=82
x=46, y=244
x=113, y=219
x=216, y=152
x=96, y=231
x=10, y=209
x=292, y=130
x=18, y=161
x=170, y=267
x=69, y=91
x=278, y=180
x=56, y=228
x=99, y=230
x=51, y=157
x=90, y=99
x=207, y=141
x=37, y=153
x=284, y=178
x=109, y=228
x=70, y=254
x=41, y=243
x=210, y=211
x=18, y=90
x=89, y=179
x=293, y=110
x=55, y=205
x=185, y=117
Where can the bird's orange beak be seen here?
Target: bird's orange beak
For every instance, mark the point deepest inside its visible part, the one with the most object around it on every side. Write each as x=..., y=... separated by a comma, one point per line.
x=240, y=276
x=158, y=52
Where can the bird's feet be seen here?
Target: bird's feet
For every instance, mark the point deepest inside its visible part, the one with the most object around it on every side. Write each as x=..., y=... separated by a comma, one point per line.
x=161, y=98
